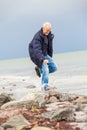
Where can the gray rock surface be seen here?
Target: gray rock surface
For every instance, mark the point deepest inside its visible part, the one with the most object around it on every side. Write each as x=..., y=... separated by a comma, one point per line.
x=41, y=128
x=64, y=114
x=20, y=104
x=67, y=111
x=4, y=98
x=15, y=121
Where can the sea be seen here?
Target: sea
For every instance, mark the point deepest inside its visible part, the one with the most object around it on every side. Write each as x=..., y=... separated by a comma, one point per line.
x=71, y=76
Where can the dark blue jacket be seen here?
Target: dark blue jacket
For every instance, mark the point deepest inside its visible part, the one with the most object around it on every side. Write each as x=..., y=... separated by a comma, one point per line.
x=40, y=46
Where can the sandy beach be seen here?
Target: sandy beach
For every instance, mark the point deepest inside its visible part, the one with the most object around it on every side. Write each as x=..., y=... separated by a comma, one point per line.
x=18, y=76
x=18, y=86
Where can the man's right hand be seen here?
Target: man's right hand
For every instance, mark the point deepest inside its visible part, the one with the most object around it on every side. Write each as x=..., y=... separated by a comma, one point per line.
x=46, y=61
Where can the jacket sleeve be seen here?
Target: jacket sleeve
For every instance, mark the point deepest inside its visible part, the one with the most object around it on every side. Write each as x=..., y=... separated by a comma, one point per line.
x=37, y=49
x=50, y=48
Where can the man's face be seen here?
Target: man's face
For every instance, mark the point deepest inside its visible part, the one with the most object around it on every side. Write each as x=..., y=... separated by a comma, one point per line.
x=46, y=30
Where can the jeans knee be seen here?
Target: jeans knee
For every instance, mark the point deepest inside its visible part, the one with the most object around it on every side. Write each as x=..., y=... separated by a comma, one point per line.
x=45, y=68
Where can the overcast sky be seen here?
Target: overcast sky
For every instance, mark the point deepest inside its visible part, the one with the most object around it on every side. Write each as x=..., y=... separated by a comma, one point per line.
x=21, y=19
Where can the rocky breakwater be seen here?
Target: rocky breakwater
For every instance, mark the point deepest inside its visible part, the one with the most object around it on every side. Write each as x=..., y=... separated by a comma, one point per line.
x=41, y=110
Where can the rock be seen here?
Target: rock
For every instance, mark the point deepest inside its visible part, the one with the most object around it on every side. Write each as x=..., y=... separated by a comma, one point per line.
x=9, y=127
x=54, y=93
x=4, y=98
x=60, y=105
x=67, y=97
x=80, y=116
x=52, y=106
x=52, y=99
x=7, y=113
x=84, y=107
x=16, y=121
x=49, y=109
x=41, y=128
x=1, y=128
x=14, y=84
x=64, y=114
x=72, y=126
x=79, y=107
x=39, y=97
x=33, y=95
x=29, y=96
x=78, y=126
x=19, y=127
x=81, y=99
x=30, y=86
x=20, y=104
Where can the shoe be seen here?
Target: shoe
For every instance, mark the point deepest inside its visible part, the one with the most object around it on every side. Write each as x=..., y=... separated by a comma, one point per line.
x=45, y=88
x=37, y=71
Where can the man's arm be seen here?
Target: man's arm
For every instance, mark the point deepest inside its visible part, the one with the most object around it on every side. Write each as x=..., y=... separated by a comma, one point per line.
x=37, y=50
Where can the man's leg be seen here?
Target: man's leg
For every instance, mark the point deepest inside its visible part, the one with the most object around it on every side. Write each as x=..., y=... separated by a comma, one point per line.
x=45, y=76
x=51, y=65
x=46, y=69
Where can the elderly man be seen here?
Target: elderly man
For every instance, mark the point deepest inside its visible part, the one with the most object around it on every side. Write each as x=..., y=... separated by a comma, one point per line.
x=41, y=51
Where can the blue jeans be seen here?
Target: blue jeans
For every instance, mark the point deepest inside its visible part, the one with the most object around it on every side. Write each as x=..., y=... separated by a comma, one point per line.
x=46, y=69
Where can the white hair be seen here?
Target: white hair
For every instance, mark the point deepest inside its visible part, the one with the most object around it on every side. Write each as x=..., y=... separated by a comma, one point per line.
x=46, y=24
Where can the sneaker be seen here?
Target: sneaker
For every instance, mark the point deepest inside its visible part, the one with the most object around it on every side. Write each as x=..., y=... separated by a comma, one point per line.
x=45, y=88
x=37, y=71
